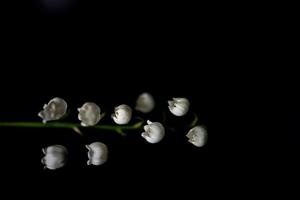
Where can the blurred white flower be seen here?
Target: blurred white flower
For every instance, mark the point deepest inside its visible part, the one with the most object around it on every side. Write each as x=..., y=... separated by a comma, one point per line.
x=97, y=153
x=54, y=110
x=55, y=157
x=90, y=114
x=179, y=106
x=197, y=136
x=122, y=114
x=145, y=103
x=154, y=132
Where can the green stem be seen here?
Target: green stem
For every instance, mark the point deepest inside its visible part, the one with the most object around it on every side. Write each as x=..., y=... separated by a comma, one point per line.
x=75, y=126
x=195, y=121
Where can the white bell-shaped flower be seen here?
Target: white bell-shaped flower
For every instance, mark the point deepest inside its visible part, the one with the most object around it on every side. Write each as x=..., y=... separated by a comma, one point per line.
x=122, y=114
x=55, y=157
x=179, y=106
x=145, y=103
x=154, y=132
x=54, y=110
x=97, y=154
x=90, y=114
x=197, y=136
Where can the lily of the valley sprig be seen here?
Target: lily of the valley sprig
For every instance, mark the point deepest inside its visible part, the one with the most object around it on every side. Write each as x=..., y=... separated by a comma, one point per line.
x=90, y=117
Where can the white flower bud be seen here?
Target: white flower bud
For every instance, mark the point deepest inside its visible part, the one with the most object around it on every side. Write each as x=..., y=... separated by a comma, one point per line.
x=54, y=110
x=97, y=153
x=179, y=106
x=55, y=157
x=90, y=114
x=122, y=114
x=197, y=136
x=145, y=103
x=154, y=132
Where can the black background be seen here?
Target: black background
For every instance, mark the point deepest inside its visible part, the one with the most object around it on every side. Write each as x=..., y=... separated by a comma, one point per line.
x=109, y=54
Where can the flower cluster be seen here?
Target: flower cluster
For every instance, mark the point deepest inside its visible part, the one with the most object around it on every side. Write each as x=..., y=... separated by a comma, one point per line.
x=90, y=115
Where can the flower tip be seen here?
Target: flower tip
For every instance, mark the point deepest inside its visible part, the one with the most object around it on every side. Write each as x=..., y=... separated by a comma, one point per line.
x=84, y=124
x=144, y=134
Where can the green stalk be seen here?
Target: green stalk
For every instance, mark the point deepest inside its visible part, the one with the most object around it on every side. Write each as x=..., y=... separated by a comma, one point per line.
x=75, y=126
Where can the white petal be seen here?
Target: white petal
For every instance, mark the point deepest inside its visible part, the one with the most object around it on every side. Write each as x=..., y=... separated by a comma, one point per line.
x=197, y=136
x=145, y=103
x=179, y=106
x=89, y=114
x=154, y=132
x=55, y=157
x=97, y=154
x=54, y=110
x=122, y=115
